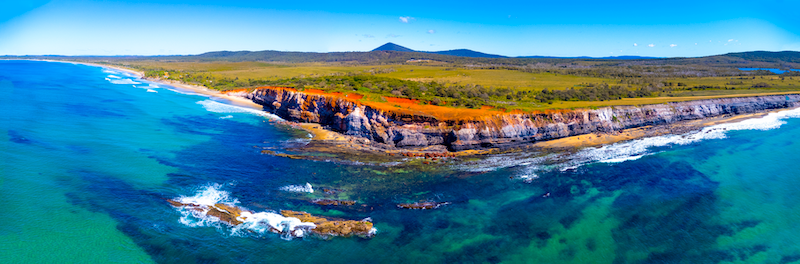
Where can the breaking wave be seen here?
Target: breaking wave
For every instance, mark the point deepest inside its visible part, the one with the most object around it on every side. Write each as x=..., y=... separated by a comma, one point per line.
x=298, y=188
x=253, y=223
x=217, y=107
x=122, y=81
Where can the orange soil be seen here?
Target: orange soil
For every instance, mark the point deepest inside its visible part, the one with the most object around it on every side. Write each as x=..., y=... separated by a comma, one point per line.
x=413, y=107
x=401, y=101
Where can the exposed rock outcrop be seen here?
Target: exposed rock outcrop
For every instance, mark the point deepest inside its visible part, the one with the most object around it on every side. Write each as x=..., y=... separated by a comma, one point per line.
x=289, y=223
x=403, y=130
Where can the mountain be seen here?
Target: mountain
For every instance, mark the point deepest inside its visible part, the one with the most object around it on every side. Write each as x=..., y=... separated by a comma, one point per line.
x=392, y=47
x=457, y=52
x=624, y=57
x=475, y=54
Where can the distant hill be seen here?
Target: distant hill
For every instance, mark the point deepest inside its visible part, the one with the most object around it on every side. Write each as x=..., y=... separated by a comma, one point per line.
x=768, y=56
x=467, y=53
x=589, y=58
x=457, y=52
x=392, y=47
x=476, y=54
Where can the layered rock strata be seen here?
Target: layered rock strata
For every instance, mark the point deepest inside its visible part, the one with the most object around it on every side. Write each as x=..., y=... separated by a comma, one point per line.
x=404, y=130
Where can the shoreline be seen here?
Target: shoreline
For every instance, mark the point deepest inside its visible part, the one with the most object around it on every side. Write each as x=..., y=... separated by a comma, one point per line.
x=202, y=90
x=234, y=100
x=602, y=139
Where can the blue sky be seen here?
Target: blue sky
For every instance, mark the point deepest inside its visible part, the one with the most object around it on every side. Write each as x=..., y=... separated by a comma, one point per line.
x=513, y=28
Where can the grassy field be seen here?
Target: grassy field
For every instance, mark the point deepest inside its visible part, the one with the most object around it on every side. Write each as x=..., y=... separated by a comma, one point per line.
x=492, y=78
x=438, y=73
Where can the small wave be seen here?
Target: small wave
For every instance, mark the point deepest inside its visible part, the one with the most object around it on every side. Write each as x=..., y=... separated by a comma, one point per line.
x=153, y=85
x=217, y=107
x=226, y=117
x=151, y=91
x=106, y=70
x=124, y=81
x=114, y=76
x=298, y=188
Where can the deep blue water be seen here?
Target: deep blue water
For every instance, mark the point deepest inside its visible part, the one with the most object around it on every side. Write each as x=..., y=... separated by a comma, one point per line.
x=87, y=161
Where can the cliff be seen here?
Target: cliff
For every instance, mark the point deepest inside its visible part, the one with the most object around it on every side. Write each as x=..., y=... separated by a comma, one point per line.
x=405, y=130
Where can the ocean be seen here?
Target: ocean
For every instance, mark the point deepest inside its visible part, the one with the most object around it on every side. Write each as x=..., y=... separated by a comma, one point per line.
x=89, y=156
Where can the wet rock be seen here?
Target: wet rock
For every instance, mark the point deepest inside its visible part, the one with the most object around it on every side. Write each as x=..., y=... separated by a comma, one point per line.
x=332, y=202
x=333, y=227
x=322, y=226
x=422, y=205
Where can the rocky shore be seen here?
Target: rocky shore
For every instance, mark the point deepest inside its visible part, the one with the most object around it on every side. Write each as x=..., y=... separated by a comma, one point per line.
x=394, y=130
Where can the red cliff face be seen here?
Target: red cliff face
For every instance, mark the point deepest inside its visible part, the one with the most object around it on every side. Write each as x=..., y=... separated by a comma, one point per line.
x=350, y=117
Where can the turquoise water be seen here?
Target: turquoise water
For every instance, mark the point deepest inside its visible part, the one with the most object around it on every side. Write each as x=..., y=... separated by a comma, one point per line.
x=87, y=161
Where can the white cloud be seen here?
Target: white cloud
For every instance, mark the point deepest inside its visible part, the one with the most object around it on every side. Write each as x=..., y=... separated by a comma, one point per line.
x=695, y=43
x=431, y=31
x=651, y=45
x=368, y=36
x=730, y=40
x=634, y=44
x=406, y=19
x=673, y=45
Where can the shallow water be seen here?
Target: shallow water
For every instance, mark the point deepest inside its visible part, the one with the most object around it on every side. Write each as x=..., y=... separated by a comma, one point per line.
x=87, y=161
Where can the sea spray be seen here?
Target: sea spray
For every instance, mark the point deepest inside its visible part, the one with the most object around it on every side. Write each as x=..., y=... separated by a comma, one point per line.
x=195, y=214
x=217, y=107
x=298, y=188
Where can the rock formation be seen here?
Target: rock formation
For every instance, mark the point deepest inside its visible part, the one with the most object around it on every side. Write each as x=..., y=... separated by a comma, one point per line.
x=289, y=223
x=404, y=130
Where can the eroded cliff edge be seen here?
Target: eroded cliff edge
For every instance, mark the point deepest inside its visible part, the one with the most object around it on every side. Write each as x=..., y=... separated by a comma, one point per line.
x=406, y=130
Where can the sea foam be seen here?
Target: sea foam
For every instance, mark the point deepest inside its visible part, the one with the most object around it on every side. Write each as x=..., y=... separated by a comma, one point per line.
x=123, y=81
x=298, y=188
x=217, y=107
x=253, y=223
